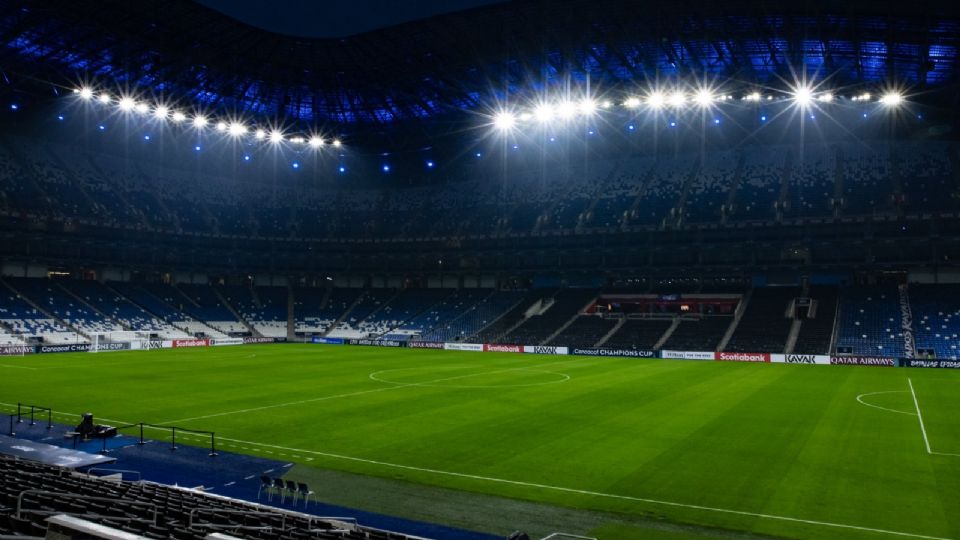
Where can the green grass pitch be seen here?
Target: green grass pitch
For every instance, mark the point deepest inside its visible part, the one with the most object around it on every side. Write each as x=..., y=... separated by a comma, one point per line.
x=780, y=450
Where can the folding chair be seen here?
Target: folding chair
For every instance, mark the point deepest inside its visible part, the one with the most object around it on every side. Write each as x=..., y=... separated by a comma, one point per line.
x=292, y=490
x=306, y=493
x=278, y=485
x=265, y=484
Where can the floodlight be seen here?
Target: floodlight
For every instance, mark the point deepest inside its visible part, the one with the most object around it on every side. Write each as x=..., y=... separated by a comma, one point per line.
x=504, y=120
x=142, y=108
x=655, y=100
x=259, y=134
x=337, y=143
x=126, y=104
x=104, y=98
x=677, y=99
x=295, y=139
x=315, y=142
x=704, y=97
x=161, y=111
x=631, y=103
x=607, y=104
x=86, y=93
x=826, y=97
x=199, y=121
x=566, y=110
x=543, y=112
x=891, y=99
x=179, y=117
x=276, y=137
x=803, y=95
x=524, y=117
x=237, y=129
x=222, y=126
x=753, y=96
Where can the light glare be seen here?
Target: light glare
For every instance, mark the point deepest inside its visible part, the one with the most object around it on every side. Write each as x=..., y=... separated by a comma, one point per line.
x=316, y=142
x=126, y=104
x=891, y=99
x=504, y=121
x=86, y=93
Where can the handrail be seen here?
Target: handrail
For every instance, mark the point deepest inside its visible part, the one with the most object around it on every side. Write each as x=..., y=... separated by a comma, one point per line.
x=60, y=494
x=34, y=408
x=173, y=434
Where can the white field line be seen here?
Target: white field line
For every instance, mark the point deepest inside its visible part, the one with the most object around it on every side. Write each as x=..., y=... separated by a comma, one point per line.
x=351, y=394
x=862, y=402
x=923, y=429
x=19, y=367
x=562, y=489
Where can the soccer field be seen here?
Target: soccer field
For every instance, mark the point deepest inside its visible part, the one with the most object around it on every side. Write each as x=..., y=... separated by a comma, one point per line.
x=795, y=451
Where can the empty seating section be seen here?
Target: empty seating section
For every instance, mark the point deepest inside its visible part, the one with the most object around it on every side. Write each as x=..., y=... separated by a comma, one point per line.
x=476, y=317
x=760, y=182
x=371, y=301
x=53, y=299
x=936, y=319
x=764, y=326
x=204, y=304
x=698, y=334
x=118, y=308
x=151, y=510
x=455, y=304
x=63, y=182
x=169, y=303
x=813, y=182
x=553, y=312
x=266, y=313
x=21, y=319
x=870, y=321
x=926, y=175
x=499, y=325
x=584, y=331
x=867, y=178
x=403, y=307
x=710, y=188
x=313, y=316
x=815, y=333
x=638, y=334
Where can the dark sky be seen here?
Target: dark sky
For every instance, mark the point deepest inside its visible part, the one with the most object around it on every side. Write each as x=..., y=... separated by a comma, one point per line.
x=334, y=18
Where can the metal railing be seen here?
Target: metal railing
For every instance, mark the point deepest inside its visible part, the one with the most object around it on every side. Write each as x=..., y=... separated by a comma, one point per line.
x=33, y=410
x=173, y=435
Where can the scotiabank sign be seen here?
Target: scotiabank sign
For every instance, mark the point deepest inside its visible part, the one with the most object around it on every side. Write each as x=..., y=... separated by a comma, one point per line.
x=496, y=347
x=473, y=347
x=425, y=344
x=862, y=361
x=800, y=358
x=178, y=343
x=543, y=349
x=688, y=355
x=16, y=350
x=742, y=357
x=628, y=353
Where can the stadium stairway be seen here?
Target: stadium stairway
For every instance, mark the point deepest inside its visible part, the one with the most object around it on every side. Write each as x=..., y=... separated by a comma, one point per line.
x=226, y=303
x=570, y=321
x=667, y=333
x=612, y=331
x=231, y=475
x=737, y=315
x=49, y=315
x=343, y=316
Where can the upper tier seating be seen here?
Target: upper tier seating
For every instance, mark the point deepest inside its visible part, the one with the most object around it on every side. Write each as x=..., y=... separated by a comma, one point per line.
x=120, y=309
x=475, y=317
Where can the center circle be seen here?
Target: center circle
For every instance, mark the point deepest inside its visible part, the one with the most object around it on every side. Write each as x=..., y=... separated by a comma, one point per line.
x=446, y=379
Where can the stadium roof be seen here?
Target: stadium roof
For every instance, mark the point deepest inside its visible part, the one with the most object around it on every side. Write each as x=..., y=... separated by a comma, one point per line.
x=440, y=66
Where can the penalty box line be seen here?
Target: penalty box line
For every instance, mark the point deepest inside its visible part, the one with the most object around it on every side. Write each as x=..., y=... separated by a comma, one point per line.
x=773, y=517
x=923, y=427
x=357, y=393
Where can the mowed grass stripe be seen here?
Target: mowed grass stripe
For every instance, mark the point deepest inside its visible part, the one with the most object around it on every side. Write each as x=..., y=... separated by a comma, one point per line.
x=789, y=441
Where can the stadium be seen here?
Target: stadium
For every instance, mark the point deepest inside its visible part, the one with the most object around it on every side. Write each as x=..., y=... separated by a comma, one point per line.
x=479, y=269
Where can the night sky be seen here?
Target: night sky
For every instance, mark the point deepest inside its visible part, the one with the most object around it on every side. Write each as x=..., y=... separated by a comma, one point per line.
x=334, y=18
